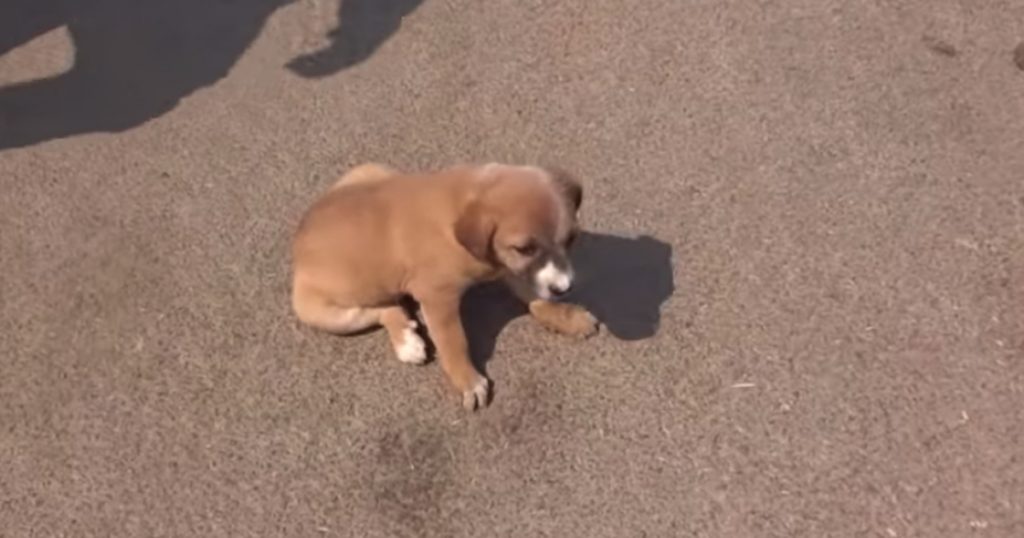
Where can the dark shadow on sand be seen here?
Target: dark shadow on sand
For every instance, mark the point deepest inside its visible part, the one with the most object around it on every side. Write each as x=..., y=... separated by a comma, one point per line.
x=363, y=26
x=623, y=281
x=134, y=60
x=137, y=59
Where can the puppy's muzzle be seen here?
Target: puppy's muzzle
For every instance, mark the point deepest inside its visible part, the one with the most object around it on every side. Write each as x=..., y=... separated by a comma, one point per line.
x=553, y=281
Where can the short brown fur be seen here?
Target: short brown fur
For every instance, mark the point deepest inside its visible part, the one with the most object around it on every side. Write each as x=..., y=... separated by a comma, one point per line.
x=379, y=235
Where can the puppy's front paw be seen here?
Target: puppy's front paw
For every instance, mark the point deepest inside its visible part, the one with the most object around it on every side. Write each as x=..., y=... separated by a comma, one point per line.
x=581, y=323
x=568, y=319
x=476, y=394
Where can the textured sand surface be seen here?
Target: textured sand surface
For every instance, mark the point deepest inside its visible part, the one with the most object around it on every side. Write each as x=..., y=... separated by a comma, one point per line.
x=807, y=242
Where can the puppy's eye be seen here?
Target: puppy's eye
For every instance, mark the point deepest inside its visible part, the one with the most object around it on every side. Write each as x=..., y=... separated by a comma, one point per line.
x=528, y=249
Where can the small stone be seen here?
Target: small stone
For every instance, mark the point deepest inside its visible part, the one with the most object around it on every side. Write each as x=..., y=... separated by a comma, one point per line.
x=939, y=46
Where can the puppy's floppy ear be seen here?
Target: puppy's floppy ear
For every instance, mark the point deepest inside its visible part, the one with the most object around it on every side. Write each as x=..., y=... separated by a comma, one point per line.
x=568, y=185
x=475, y=232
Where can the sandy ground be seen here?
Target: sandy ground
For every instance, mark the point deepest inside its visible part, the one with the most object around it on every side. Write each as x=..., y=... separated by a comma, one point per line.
x=807, y=243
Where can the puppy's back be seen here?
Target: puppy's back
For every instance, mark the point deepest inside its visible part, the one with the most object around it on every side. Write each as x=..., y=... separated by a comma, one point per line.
x=365, y=173
x=375, y=204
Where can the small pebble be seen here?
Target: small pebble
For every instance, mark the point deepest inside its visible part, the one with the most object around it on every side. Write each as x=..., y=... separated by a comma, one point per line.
x=939, y=46
x=1018, y=56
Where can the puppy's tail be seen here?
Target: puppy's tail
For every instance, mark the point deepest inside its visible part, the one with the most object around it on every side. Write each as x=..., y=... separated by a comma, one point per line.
x=365, y=173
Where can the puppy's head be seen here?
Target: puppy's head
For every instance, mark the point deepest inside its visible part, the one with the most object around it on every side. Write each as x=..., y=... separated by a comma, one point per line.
x=523, y=222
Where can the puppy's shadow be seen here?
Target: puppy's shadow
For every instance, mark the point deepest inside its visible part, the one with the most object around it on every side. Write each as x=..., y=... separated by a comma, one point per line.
x=622, y=281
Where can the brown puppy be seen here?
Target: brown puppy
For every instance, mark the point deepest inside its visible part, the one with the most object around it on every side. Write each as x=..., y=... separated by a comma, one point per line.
x=378, y=236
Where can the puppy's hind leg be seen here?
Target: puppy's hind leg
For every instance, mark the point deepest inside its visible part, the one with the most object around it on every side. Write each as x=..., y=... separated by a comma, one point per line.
x=409, y=345
x=317, y=311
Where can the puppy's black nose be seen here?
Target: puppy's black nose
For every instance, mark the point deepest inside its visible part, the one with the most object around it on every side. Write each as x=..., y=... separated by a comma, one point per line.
x=558, y=292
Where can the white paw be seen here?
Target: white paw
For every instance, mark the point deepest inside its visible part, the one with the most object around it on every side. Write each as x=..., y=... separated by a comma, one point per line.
x=413, y=349
x=476, y=396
